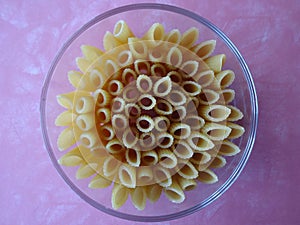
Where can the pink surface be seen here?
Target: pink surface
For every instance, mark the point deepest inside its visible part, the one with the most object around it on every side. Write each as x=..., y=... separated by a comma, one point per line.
x=267, y=34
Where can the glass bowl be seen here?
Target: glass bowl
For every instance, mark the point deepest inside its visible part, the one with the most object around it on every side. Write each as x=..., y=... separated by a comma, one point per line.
x=140, y=17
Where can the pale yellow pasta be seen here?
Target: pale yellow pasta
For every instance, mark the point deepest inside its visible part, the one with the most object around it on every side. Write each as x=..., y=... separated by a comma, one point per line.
x=173, y=36
x=114, y=146
x=144, y=83
x=228, y=148
x=207, y=176
x=186, y=169
x=119, y=122
x=96, y=79
x=156, y=54
x=133, y=157
x=127, y=175
x=138, y=48
x=162, y=87
x=186, y=184
x=191, y=105
x=75, y=78
x=200, y=158
x=194, y=121
x=115, y=87
x=216, y=62
x=180, y=130
x=84, y=104
x=86, y=170
x=204, y=78
x=192, y=88
x=214, y=113
x=174, y=57
x=157, y=70
x=182, y=150
x=225, y=78
x=118, y=105
x=119, y=195
x=190, y=68
x=72, y=158
x=65, y=118
x=149, y=158
x=177, y=97
x=144, y=175
x=155, y=34
x=139, y=197
x=91, y=53
x=153, y=192
x=83, y=64
x=147, y=140
x=179, y=113
x=144, y=123
x=102, y=97
x=125, y=58
x=175, y=77
x=162, y=176
x=199, y=142
x=141, y=66
x=103, y=115
x=66, y=100
x=88, y=139
x=99, y=182
x=128, y=75
x=236, y=130
x=164, y=140
x=235, y=114
x=110, y=167
x=218, y=162
x=107, y=132
x=132, y=110
x=161, y=123
x=227, y=95
x=66, y=139
x=130, y=93
x=146, y=101
x=122, y=31
x=215, y=131
x=204, y=49
x=189, y=37
x=110, y=42
x=129, y=138
x=208, y=97
x=174, y=193
x=166, y=158
x=86, y=121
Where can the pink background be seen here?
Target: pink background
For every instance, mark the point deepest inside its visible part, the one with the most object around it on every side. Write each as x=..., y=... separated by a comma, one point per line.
x=267, y=34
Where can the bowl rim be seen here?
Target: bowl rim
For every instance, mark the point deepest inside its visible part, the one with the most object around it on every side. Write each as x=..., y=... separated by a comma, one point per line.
x=253, y=102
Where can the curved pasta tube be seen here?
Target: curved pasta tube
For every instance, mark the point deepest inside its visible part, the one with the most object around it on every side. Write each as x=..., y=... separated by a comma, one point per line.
x=144, y=123
x=88, y=139
x=103, y=115
x=91, y=53
x=195, y=122
x=155, y=34
x=141, y=66
x=114, y=146
x=124, y=58
x=187, y=169
x=192, y=104
x=190, y=68
x=207, y=176
x=129, y=138
x=147, y=140
x=128, y=75
x=161, y=123
x=130, y=93
x=86, y=170
x=99, y=182
x=84, y=104
x=96, y=80
x=167, y=159
x=216, y=132
x=227, y=95
x=174, y=57
x=119, y=122
x=118, y=105
x=110, y=42
x=180, y=130
x=75, y=78
x=200, y=158
x=204, y=78
x=153, y=192
x=119, y=195
x=162, y=176
x=72, y=158
x=174, y=192
x=236, y=130
x=115, y=87
x=65, y=118
x=186, y=184
x=122, y=31
x=132, y=110
x=139, y=197
x=164, y=140
x=138, y=48
x=146, y=101
x=216, y=62
x=85, y=122
x=235, y=114
x=189, y=37
x=156, y=54
x=208, y=97
x=176, y=97
x=173, y=36
x=218, y=162
x=228, y=148
x=158, y=70
x=175, y=76
x=199, y=142
x=127, y=175
x=83, y=64
x=149, y=158
x=66, y=139
x=204, y=49
x=110, y=167
x=191, y=88
x=144, y=176
x=144, y=83
x=215, y=113
x=107, y=132
x=102, y=97
x=66, y=100
x=133, y=157
x=162, y=87
x=225, y=78
x=178, y=114
x=182, y=150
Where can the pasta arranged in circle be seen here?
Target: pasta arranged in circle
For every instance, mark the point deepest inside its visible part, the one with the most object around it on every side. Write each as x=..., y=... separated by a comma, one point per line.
x=149, y=115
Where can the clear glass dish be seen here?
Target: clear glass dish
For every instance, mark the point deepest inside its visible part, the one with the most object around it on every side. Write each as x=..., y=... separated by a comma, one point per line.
x=171, y=17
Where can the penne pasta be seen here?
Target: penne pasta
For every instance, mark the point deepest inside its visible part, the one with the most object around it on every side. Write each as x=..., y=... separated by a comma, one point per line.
x=215, y=131
x=144, y=83
x=86, y=170
x=118, y=105
x=119, y=122
x=208, y=97
x=110, y=42
x=114, y=146
x=96, y=80
x=174, y=57
x=91, y=53
x=162, y=176
x=129, y=138
x=66, y=139
x=200, y=158
x=236, y=130
x=147, y=140
x=166, y=158
x=178, y=114
x=225, y=78
x=110, y=167
x=132, y=110
x=235, y=113
x=130, y=93
x=207, y=176
x=182, y=150
x=161, y=123
x=144, y=176
x=204, y=78
x=119, y=195
x=189, y=37
x=84, y=104
x=226, y=95
x=139, y=197
x=199, y=142
x=122, y=31
x=204, y=49
x=66, y=118
x=144, y=123
x=228, y=148
x=127, y=175
x=83, y=64
x=176, y=97
x=164, y=140
x=155, y=34
x=88, y=139
x=191, y=88
x=99, y=182
x=138, y=48
x=186, y=184
x=218, y=162
x=102, y=97
x=186, y=169
x=149, y=158
x=72, y=158
x=156, y=54
x=128, y=75
x=173, y=36
x=106, y=132
x=66, y=100
x=216, y=62
x=174, y=193
x=146, y=101
x=214, y=113
x=175, y=77
x=189, y=68
x=141, y=67
x=133, y=157
x=115, y=87
x=194, y=121
x=103, y=115
x=180, y=130
x=85, y=122
x=158, y=70
x=162, y=87
x=75, y=78
x=191, y=105
x=124, y=58
x=153, y=192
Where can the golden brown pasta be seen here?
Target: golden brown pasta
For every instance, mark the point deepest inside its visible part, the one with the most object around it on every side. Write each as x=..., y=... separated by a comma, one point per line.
x=236, y=130
x=157, y=70
x=141, y=66
x=176, y=97
x=103, y=98
x=163, y=107
x=164, y=140
x=149, y=158
x=208, y=97
x=114, y=146
x=179, y=113
x=162, y=87
x=118, y=105
x=228, y=148
x=227, y=95
x=153, y=192
x=139, y=197
x=186, y=169
x=103, y=115
x=204, y=78
x=186, y=184
x=146, y=101
x=192, y=88
x=207, y=176
x=161, y=123
x=235, y=114
x=107, y=132
x=167, y=159
x=204, y=49
x=215, y=113
x=182, y=150
x=216, y=62
x=180, y=130
x=145, y=123
x=174, y=192
x=189, y=37
x=128, y=75
x=199, y=142
x=190, y=68
x=216, y=132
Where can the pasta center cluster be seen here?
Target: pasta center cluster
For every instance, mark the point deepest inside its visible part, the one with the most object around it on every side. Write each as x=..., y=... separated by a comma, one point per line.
x=150, y=114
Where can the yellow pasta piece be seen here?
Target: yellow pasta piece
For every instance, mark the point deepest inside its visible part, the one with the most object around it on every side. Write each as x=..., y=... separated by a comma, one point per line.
x=66, y=100
x=75, y=77
x=153, y=192
x=83, y=64
x=127, y=175
x=175, y=77
x=157, y=70
x=119, y=195
x=129, y=138
x=133, y=157
x=139, y=197
x=103, y=115
x=199, y=142
x=96, y=80
x=118, y=105
x=130, y=93
x=114, y=146
x=177, y=97
x=147, y=140
x=85, y=122
x=215, y=113
x=144, y=83
x=164, y=140
x=162, y=176
x=89, y=139
x=226, y=95
x=194, y=121
x=167, y=159
x=156, y=54
x=141, y=66
x=161, y=123
x=174, y=193
x=155, y=34
x=204, y=78
x=162, y=87
x=236, y=130
x=84, y=104
x=208, y=97
x=146, y=101
x=86, y=170
x=207, y=176
x=173, y=36
x=122, y=31
x=110, y=167
x=191, y=88
x=186, y=184
x=178, y=114
x=174, y=57
x=66, y=139
x=110, y=42
x=180, y=130
x=132, y=110
x=216, y=132
x=216, y=62
x=218, y=162
x=182, y=150
x=200, y=158
x=190, y=68
x=235, y=114
x=65, y=118
x=186, y=169
x=204, y=49
x=144, y=175
x=138, y=48
x=189, y=37
x=115, y=87
x=99, y=182
x=149, y=158
x=107, y=132
x=128, y=75
x=72, y=158
x=102, y=97
x=228, y=148
x=91, y=53
x=225, y=78
x=144, y=123
x=119, y=122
